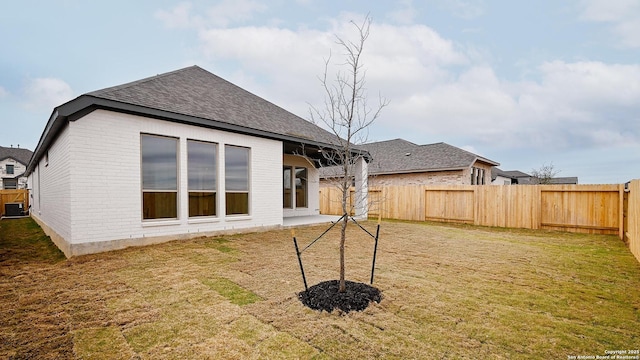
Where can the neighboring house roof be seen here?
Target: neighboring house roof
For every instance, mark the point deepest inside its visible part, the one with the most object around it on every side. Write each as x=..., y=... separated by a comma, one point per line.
x=19, y=154
x=193, y=96
x=401, y=156
x=526, y=179
x=567, y=180
x=511, y=174
x=515, y=174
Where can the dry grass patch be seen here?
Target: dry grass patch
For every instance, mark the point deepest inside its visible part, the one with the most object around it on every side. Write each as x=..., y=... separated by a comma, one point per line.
x=448, y=292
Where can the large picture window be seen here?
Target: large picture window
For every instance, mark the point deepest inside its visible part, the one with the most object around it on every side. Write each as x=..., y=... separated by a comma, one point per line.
x=159, y=177
x=201, y=160
x=236, y=163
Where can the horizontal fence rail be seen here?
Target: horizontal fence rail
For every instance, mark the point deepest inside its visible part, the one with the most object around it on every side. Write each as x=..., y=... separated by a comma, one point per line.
x=594, y=209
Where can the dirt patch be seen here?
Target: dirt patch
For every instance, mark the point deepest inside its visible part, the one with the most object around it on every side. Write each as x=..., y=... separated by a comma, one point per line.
x=325, y=296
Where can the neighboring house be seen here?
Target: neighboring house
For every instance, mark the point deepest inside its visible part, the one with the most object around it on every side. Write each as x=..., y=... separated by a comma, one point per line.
x=177, y=155
x=515, y=177
x=512, y=177
x=13, y=164
x=400, y=162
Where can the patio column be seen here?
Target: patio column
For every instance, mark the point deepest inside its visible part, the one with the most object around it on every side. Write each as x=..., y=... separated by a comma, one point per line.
x=362, y=188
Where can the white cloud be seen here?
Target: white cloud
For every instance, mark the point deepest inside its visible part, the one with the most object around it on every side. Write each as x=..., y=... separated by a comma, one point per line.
x=3, y=92
x=227, y=12
x=178, y=17
x=405, y=14
x=623, y=15
x=438, y=89
x=222, y=14
x=466, y=9
x=43, y=94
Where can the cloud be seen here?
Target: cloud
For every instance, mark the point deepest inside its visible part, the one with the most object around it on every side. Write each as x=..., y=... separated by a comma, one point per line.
x=438, y=89
x=3, y=92
x=178, y=17
x=228, y=12
x=622, y=15
x=43, y=94
x=465, y=9
x=220, y=15
x=405, y=14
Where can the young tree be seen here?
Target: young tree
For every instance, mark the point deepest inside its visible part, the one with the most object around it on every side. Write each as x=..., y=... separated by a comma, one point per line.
x=347, y=114
x=545, y=173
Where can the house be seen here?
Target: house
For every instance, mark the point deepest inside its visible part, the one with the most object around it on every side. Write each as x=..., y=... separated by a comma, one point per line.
x=516, y=177
x=501, y=177
x=13, y=164
x=400, y=162
x=177, y=155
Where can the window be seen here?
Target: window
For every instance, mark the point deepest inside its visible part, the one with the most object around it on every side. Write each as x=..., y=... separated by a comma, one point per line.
x=477, y=176
x=236, y=163
x=201, y=157
x=286, y=176
x=10, y=184
x=301, y=187
x=159, y=177
x=294, y=177
x=9, y=169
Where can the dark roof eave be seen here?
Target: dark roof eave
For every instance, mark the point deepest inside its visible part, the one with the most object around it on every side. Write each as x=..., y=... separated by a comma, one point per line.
x=84, y=104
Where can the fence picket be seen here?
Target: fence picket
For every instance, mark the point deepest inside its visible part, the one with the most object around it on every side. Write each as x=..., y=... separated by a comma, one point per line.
x=594, y=209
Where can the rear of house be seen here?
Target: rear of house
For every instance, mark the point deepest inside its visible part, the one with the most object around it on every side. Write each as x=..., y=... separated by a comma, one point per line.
x=178, y=155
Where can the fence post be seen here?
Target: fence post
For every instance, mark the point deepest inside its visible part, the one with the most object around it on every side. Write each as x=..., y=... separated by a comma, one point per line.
x=621, y=211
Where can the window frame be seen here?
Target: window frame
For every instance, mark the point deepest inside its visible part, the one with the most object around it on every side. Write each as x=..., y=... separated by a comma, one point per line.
x=293, y=188
x=305, y=183
x=284, y=187
x=10, y=166
x=216, y=186
x=228, y=191
x=160, y=191
x=5, y=181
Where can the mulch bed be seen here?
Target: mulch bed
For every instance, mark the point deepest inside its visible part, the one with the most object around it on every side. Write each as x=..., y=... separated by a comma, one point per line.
x=325, y=296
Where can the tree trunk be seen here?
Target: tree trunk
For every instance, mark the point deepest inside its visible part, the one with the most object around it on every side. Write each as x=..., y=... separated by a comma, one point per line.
x=343, y=237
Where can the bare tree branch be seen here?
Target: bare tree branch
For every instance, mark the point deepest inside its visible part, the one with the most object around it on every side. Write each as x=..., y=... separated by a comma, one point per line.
x=347, y=115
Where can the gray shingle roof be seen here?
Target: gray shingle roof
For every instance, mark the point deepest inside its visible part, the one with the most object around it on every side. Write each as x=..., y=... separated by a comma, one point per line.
x=20, y=154
x=196, y=92
x=192, y=96
x=401, y=156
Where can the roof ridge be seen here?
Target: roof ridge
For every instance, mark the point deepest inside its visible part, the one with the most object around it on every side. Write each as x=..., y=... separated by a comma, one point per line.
x=390, y=140
x=97, y=93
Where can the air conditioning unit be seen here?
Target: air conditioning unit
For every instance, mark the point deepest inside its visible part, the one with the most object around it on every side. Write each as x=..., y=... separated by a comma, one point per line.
x=13, y=209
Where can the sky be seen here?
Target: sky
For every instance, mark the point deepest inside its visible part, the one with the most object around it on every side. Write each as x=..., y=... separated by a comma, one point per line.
x=524, y=83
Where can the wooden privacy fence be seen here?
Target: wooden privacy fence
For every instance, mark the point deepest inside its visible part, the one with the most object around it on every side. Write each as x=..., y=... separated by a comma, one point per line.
x=595, y=209
x=14, y=196
x=632, y=226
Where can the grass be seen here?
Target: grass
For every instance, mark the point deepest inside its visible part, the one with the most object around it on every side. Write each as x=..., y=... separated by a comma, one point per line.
x=449, y=292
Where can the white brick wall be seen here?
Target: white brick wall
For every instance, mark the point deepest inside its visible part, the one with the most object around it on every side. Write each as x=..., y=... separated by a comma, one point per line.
x=104, y=199
x=51, y=202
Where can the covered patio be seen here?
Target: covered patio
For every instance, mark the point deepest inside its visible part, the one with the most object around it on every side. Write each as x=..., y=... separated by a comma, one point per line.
x=290, y=222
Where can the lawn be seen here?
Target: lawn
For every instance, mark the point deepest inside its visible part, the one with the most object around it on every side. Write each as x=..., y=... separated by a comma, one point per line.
x=449, y=292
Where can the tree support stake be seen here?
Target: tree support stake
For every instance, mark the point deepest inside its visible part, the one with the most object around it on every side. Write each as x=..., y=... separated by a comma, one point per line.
x=295, y=243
